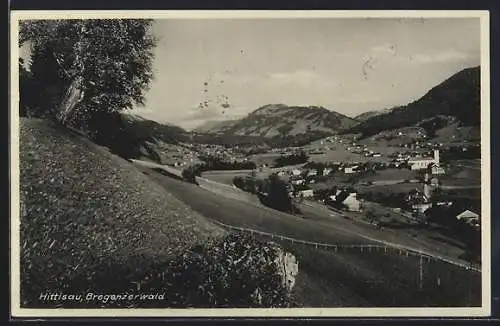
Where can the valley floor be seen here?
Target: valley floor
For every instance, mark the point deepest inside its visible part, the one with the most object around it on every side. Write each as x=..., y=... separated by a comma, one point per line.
x=348, y=278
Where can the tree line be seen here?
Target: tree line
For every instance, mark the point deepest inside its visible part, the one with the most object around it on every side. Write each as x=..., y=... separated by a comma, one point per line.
x=292, y=159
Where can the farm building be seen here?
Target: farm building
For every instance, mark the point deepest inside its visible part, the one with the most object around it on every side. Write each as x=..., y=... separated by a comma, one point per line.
x=352, y=203
x=436, y=169
x=468, y=215
x=306, y=193
x=350, y=169
x=349, y=200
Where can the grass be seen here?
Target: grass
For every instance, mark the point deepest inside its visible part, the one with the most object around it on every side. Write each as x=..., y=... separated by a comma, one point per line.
x=82, y=207
x=344, y=279
x=379, y=279
x=224, y=177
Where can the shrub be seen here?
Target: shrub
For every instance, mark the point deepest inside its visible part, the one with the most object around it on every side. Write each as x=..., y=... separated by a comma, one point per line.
x=278, y=195
x=292, y=159
x=190, y=174
x=234, y=271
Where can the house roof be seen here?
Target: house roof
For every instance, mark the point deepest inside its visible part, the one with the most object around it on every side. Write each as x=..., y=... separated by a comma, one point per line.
x=467, y=214
x=422, y=159
x=343, y=195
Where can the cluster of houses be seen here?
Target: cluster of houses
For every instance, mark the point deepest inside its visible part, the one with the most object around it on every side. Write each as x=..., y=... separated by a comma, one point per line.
x=188, y=153
x=421, y=201
x=416, y=161
x=341, y=199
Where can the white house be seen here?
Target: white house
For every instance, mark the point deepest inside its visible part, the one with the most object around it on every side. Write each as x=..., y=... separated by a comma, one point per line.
x=467, y=215
x=352, y=203
x=296, y=172
x=425, y=162
x=348, y=199
x=306, y=193
x=420, y=164
x=436, y=169
x=312, y=173
x=298, y=182
x=327, y=171
x=350, y=169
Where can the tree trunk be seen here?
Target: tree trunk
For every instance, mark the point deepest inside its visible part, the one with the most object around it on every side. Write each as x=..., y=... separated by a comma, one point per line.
x=73, y=95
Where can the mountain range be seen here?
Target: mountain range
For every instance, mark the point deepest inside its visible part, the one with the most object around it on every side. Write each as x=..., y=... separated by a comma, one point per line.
x=457, y=97
x=454, y=101
x=450, y=109
x=280, y=120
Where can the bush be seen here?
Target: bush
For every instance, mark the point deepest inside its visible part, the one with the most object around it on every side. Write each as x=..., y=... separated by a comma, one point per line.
x=278, y=195
x=291, y=159
x=190, y=174
x=234, y=271
x=248, y=184
x=216, y=164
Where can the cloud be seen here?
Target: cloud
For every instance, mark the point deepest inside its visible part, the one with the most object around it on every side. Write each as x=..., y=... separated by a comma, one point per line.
x=449, y=56
x=213, y=113
x=303, y=77
x=195, y=116
x=384, y=49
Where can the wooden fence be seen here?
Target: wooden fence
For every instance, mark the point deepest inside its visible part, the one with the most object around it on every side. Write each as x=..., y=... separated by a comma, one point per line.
x=383, y=246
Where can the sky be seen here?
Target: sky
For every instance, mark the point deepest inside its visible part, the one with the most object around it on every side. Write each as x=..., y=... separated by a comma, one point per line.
x=349, y=65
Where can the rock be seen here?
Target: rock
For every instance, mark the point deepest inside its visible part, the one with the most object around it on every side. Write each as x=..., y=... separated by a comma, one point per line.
x=288, y=268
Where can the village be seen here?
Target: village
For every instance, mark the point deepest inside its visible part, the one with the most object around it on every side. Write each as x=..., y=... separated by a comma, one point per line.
x=415, y=171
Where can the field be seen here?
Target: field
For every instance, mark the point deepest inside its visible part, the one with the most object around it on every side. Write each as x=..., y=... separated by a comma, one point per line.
x=225, y=177
x=380, y=279
x=337, y=152
x=350, y=278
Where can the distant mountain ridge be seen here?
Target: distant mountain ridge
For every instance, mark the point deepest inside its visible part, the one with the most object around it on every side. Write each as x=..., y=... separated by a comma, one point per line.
x=458, y=97
x=280, y=120
x=215, y=126
x=370, y=114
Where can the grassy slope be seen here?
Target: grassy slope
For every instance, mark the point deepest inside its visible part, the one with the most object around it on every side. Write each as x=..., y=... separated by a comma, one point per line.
x=82, y=206
x=379, y=279
x=350, y=278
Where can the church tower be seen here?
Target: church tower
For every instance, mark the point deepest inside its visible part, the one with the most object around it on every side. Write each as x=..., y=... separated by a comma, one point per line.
x=427, y=188
x=436, y=156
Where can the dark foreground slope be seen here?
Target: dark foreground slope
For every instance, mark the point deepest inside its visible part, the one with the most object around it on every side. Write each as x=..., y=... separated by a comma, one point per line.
x=82, y=207
x=91, y=223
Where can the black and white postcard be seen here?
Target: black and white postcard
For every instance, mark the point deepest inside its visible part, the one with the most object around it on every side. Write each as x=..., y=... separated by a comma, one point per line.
x=250, y=163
